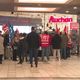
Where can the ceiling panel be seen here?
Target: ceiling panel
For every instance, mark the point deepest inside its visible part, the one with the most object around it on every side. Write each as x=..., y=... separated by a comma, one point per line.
x=6, y=1
x=75, y=2
x=9, y=5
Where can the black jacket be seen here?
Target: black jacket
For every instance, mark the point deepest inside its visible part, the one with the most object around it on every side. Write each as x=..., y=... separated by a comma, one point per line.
x=56, y=41
x=6, y=40
x=33, y=40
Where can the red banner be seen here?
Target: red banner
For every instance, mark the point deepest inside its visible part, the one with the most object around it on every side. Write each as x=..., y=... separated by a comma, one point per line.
x=74, y=26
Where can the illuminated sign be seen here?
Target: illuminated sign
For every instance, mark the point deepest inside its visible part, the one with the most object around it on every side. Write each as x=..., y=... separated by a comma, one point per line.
x=61, y=19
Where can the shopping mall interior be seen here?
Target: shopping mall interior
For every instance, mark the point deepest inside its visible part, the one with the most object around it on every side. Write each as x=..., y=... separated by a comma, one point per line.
x=44, y=15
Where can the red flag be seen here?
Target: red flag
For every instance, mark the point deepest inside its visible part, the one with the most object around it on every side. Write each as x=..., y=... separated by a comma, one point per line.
x=66, y=29
x=57, y=29
x=5, y=28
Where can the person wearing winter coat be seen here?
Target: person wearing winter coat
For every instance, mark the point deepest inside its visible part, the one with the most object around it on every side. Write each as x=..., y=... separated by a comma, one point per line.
x=69, y=45
x=15, y=45
x=33, y=40
x=6, y=45
x=56, y=45
x=64, y=38
x=1, y=47
x=21, y=48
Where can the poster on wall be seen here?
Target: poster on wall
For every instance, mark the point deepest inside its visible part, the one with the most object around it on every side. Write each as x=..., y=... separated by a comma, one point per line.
x=74, y=26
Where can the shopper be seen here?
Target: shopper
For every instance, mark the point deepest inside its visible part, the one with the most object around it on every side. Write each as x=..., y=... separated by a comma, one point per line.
x=33, y=40
x=1, y=47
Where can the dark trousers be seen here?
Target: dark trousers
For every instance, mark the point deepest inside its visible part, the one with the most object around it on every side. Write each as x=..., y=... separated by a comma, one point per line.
x=63, y=53
x=26, y=54
x=21, y=56
x=68, y=52
x=15, y=53
x=5, y=53
x=33, y=53
x=1, y=55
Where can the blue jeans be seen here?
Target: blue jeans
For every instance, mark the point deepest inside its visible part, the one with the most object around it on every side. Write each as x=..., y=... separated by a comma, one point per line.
x=33, y=53
x=63, y=53
x=68, y=51
x=45, y=52
x=21, y=54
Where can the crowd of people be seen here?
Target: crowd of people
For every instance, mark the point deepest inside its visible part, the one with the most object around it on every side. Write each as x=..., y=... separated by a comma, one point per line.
x=28, y=46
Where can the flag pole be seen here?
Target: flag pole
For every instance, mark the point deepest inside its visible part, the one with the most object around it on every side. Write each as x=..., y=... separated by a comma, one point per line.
x=44, y=22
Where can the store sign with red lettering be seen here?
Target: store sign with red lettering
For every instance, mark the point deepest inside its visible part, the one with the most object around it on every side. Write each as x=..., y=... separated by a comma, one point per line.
x=74, y=26
x=60, y=19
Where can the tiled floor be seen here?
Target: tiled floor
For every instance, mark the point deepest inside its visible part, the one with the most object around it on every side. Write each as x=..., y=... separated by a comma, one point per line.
x=53, y=70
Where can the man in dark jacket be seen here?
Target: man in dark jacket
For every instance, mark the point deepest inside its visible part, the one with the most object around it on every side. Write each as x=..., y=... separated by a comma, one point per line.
x=56, y=44
x=33, y=40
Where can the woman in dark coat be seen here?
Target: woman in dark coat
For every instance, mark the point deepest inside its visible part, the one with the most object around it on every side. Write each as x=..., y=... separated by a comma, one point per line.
x=21, y=49
x=56, y=45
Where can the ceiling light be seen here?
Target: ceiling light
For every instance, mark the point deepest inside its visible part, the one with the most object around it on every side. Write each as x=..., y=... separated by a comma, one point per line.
x=67, y=11
x=75, y=7
x=35, y=9
x=43, y=1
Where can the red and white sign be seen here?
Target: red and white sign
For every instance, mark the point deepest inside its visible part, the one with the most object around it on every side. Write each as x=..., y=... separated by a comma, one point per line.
x=74, y=26
x=60, y=19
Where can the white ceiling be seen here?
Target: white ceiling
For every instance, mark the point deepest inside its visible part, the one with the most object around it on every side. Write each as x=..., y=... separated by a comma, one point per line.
x=8, y=5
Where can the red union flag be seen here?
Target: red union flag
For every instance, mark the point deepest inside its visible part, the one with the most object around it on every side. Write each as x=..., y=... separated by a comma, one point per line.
x=74, y=26
x=57, y=29
x=66, y=29
x=5, y=28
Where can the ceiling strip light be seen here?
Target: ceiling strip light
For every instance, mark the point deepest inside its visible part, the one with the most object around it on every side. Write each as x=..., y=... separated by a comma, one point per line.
x=43, y=1
x=35, y=9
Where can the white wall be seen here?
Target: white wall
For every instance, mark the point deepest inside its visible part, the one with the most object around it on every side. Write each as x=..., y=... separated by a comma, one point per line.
x=22, y=29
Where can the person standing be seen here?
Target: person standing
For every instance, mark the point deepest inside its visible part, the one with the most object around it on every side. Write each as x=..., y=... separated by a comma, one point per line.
x=56, y=44
x=6, y=45
x=45, y=45
x=21, y=49
x=1, y=47
x=33, y=40
x=69, y=45
x=15, y=45
x=64, y=38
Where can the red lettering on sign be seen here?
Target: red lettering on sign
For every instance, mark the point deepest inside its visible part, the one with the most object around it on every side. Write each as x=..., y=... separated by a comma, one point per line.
x=52, y=19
